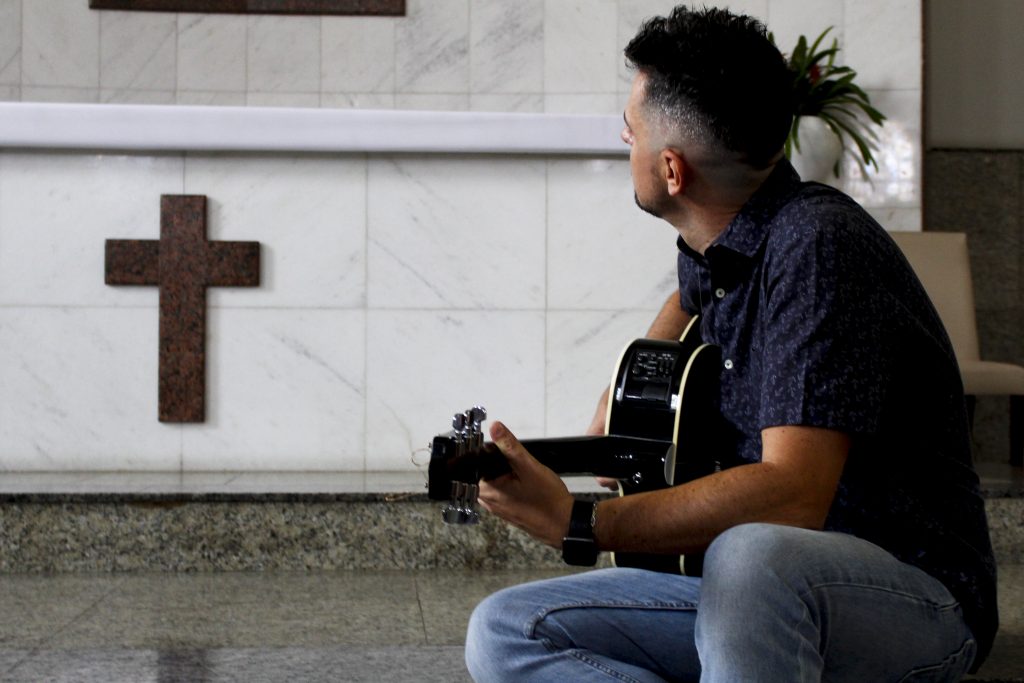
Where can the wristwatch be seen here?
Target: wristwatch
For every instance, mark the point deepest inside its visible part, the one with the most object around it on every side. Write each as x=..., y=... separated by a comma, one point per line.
x=578, y=546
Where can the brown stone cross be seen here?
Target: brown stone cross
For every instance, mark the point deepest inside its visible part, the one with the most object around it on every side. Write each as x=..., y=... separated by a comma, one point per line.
x=183, y=263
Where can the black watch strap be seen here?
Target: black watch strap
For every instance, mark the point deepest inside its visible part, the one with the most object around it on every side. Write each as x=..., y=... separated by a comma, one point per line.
x=578, y=546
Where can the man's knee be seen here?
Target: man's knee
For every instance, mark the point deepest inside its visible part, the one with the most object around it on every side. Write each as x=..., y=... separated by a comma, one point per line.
x=491, y=630
x=749, y=554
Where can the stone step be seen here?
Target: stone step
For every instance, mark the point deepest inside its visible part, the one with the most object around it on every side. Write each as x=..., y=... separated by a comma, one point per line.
x=238, y=522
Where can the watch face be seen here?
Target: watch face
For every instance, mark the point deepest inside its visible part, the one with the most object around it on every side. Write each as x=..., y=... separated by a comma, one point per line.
x=579, y=551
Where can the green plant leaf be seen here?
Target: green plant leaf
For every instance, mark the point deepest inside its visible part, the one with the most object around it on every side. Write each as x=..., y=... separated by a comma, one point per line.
x=834, y=97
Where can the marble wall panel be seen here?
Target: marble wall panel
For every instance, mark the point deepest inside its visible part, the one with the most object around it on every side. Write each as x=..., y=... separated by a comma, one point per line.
x=790, y=19
x=358, y=54
x=135, y=96
x=210, y=98
x=526, y=102
x=423, y=366
x=309, y=214
x=582, y=350
x=882, y=42
x=283, y=56
x=60, y=44
x=10, y=42
x=282, y=99
x=584, y=103
x=211, y=53
x=432, y=47
x=59, y=94
x=580, y=47
x=78, y=390
x=507, y=46
x=138, y=50
x=465, y=233
x=357, y=100
x=432, y=101
x=57, y=209
x=603, y=251
x=285, y=391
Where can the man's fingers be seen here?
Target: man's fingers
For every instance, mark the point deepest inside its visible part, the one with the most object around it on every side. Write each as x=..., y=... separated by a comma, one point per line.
x=509, y=445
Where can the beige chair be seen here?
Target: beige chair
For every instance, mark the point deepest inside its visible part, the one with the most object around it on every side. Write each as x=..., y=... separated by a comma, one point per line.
x=941, y=261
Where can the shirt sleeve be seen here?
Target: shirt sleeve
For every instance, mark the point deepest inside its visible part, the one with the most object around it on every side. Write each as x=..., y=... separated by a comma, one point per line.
x=825, y=357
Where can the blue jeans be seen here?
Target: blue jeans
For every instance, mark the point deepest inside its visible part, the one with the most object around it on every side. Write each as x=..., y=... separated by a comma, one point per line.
x=776, y=604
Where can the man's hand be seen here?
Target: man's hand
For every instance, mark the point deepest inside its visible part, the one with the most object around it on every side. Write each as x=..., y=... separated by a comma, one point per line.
x=531, y=497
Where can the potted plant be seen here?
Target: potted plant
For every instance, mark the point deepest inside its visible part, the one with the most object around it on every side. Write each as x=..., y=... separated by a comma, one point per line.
x=824, y=91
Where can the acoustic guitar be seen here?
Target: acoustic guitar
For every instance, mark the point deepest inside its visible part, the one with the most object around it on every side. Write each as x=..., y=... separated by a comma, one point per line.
x=658, y=433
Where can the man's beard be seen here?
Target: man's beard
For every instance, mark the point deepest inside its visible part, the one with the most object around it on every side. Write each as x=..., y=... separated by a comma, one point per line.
x=648, y=209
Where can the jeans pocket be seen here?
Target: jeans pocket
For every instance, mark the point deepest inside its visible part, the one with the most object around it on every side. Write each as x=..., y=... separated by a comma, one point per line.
x=949, y=670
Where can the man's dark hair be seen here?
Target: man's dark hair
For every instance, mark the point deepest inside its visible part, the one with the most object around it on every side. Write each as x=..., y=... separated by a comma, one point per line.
x=717, y=74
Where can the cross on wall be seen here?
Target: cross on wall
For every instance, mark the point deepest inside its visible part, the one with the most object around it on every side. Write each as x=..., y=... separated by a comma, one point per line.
x=183, y=263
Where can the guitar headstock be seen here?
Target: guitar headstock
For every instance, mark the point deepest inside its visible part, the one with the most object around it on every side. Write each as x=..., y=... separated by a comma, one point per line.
x=454, y=470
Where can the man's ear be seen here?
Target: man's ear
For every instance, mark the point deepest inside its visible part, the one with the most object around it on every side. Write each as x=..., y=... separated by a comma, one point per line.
x=674, y=171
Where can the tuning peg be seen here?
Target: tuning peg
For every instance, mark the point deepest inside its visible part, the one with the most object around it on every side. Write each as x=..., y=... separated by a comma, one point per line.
x=459, y=422
x=478, y=414
x=462, y=508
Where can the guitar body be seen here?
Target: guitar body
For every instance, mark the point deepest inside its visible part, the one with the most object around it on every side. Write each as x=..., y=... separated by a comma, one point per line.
x=664, y=390
x=658, y=433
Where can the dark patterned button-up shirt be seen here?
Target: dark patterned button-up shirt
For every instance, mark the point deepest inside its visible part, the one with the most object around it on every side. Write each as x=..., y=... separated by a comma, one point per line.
x=822, y=323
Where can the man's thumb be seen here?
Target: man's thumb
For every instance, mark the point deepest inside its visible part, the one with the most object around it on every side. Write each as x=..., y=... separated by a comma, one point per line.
x=508, y=444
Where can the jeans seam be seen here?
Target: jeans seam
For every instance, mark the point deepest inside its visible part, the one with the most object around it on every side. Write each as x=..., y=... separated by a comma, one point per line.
x=950, y=659
x=939, y=606
x=531, y=630
x=601, y=667
x=548, y=611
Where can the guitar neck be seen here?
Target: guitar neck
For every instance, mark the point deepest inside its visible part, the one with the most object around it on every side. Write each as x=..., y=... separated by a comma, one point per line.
x=615, y=456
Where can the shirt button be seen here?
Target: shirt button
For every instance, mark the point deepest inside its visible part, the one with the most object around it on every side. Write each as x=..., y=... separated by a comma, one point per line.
x=728, y=364
x=720, y=293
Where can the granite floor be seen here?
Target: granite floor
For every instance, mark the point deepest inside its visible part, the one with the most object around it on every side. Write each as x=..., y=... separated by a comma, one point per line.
x=278, y=626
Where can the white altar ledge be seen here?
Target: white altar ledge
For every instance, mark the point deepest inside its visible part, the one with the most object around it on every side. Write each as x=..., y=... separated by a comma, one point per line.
x=276, y=129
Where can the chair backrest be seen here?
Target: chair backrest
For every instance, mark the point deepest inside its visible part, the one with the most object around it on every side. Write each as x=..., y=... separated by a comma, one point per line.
x=941, y=262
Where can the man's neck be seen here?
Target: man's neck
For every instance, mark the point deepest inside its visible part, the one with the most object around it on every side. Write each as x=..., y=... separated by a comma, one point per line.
x=703, y=217
x=700, y=226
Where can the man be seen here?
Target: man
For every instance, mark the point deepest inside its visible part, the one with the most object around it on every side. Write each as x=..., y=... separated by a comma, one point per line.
x=850, y=543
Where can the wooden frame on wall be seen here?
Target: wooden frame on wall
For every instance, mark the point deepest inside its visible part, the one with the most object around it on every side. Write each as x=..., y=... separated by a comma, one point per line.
x=327, y=7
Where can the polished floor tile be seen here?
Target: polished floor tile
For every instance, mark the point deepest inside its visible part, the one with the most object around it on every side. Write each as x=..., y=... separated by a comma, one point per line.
x=447, y=598
x=254, y=626
x=393, y=627
x=312, y=665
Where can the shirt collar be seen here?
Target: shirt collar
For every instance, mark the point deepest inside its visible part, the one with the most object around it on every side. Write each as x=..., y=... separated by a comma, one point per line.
x=748, y=229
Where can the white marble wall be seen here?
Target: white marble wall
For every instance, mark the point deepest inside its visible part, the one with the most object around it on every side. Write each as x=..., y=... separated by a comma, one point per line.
x=396, y=289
